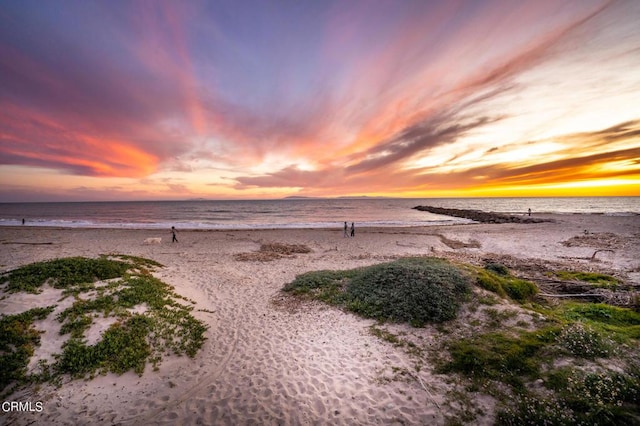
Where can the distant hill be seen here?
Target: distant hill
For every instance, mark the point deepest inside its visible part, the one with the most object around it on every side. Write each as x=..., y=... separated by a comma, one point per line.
x=360, y=197
x=342, y=197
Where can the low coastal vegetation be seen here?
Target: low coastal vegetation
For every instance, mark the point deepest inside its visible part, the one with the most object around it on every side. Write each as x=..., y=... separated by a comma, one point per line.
x=594, y=278
x=497, y=279
x=17, y=342
x=553, y=363
x=64, y=273
x=414, y=290
x=146, y=320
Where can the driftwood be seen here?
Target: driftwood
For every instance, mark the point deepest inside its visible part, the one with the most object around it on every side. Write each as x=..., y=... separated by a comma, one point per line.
x=575, y=287
x=594, y=296
x=593, y=258
x=31, y=244
x=417, y=377
x=619, y=295
x=564, y=287
x=590, y=259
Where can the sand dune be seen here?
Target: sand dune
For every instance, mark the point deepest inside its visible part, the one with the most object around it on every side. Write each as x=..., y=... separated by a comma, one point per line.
x=267, y=361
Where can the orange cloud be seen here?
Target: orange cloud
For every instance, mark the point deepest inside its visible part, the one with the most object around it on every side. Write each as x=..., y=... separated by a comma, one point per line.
x=30, y=138
x=380, y=173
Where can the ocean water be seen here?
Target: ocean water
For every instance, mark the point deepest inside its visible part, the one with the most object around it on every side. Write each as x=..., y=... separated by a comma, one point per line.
x=292, y=213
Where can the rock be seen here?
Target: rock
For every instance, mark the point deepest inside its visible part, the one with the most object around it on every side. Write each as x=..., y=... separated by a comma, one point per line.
x=480, y=216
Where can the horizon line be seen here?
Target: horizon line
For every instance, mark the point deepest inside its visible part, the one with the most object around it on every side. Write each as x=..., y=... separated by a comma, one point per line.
x=303, y=198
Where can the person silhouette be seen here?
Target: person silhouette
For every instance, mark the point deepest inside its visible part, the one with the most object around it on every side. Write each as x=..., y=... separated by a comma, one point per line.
x=173, y=233
x=346, y=232
x=353, y=230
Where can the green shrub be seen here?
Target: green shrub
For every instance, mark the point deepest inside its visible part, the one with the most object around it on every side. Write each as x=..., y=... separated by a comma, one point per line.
x=585, y=342
x=599, y=280
x=601, y=389
x=325, y=285
x=603, y=313
x=416, y=290
x=520, y=290
x=490, y=282
x=594, y=398
x=498, y=356
x=413, y=290
x=506, y=285
x=497, y=268
x=532, y=411
x=621, y=323
x=303, y=283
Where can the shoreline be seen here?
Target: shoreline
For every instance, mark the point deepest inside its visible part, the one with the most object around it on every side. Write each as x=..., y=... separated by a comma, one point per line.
x=541, y=240
x=450, y=217
x=264, y=362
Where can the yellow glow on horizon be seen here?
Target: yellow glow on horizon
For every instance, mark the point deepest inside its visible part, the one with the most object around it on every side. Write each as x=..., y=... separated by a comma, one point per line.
x=587, y=188
x=595, y=184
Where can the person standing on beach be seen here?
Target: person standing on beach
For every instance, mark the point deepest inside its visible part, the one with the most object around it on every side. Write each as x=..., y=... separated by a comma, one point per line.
x=529, y=212
x=346, y=232
x=353, y=230
x=173, y=233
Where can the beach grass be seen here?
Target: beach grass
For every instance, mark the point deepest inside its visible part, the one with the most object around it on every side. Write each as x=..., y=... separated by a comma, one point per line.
x=598, y=280
x=498, y=279
x=499, y=356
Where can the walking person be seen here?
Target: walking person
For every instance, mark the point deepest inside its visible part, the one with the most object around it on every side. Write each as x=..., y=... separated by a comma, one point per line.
x=346, y=230
x=353, y=230
x=173, y=233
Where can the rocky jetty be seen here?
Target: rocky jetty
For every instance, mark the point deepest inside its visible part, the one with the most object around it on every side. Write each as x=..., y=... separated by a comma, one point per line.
x=480, y=216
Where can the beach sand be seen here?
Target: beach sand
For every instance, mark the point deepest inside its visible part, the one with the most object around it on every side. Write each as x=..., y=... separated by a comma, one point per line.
x=268, y=360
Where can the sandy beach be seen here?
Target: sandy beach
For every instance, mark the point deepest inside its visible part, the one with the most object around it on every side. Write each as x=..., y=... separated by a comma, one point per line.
x=266, y=361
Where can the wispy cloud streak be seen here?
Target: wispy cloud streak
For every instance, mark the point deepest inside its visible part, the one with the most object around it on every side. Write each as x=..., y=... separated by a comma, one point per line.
x=321, y=98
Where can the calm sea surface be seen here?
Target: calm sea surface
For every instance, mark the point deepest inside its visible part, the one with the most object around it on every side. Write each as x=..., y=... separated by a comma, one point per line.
x=291, y=213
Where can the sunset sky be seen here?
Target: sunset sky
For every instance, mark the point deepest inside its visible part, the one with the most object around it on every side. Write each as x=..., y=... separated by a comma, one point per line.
x=139, y=100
